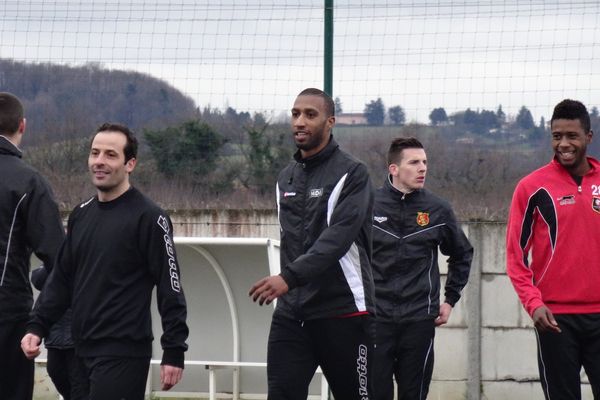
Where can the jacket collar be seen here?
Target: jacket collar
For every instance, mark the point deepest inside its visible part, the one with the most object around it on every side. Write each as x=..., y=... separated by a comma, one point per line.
x=318, y=158
x=7, y=147
x=594, y=164
x=389, y=187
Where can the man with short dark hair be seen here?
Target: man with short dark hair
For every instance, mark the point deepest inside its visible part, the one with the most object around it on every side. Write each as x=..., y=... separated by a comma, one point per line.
x=325, y=289
x=119, y=246
x=29, y=221
x=410, y=225
x=552, y=253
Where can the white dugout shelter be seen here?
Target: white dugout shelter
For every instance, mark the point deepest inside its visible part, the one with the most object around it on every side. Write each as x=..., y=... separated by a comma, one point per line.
x=228, y=332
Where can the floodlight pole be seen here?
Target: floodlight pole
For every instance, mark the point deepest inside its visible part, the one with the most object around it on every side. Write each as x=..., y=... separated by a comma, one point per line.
x=328, y=49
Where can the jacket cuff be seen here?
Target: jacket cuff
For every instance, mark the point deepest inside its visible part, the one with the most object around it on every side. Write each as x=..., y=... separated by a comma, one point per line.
x=173, y=357
x=36, y=329
x=289, y=278
x=534, y=305
x=451, y=299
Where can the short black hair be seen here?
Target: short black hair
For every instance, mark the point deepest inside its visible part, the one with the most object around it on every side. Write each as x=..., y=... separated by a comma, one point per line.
x=398, y=145
x=11, y=113
x=572, y=109
x=131, y=146
x=329, y=104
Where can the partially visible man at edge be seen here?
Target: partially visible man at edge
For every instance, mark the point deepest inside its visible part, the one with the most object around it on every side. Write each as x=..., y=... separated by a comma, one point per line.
x=553, y=255
x=325, y=289
x=119, y=246
x=30, y=221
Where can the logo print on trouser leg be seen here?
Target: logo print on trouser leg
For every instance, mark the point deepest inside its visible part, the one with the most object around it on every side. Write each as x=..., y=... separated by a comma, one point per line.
x=361, y=368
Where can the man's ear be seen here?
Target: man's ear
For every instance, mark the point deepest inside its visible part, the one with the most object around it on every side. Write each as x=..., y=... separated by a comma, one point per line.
x=393, y=169
x=22, y=126
x=331, y=121
x=130, y=164
x=17, y=137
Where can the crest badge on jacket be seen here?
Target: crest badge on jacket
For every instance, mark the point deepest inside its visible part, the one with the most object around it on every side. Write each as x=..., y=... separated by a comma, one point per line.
x=422, y=218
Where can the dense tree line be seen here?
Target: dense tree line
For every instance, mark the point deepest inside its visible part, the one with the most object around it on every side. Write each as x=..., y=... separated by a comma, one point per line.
x=69, y=102
x=198, y=158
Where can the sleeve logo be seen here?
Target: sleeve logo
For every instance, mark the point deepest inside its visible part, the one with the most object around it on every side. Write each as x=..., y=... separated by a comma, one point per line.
x=596, y=204
x=164, y=224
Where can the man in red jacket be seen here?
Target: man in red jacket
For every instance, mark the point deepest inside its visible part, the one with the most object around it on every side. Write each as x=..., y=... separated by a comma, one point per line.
x=553, y=255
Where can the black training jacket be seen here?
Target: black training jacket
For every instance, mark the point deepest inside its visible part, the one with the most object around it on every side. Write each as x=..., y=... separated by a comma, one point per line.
x=408, y=229
x=29, y=222
x=325, y=205
x=115, y=253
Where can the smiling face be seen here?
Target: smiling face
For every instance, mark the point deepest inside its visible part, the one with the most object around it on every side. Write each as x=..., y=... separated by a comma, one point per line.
x=569, y=142
x=107, y=166
x=409, y=173
x=310, y=124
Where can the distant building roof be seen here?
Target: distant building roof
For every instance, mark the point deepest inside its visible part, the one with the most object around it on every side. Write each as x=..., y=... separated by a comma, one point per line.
x=351, y=119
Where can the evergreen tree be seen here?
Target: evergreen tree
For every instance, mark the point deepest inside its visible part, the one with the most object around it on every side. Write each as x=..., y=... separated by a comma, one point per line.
x=338, y=106
x=375, y=112
x=525, y=119
x=190, y=148
x=438, y=116
x=267, y=154
x=500, y=115
x=397, y=115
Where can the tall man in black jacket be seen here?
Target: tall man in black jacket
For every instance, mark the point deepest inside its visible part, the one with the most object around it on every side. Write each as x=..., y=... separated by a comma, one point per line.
x=325, y=289
x=410, y=224
x=119, y=246
x=29, y=220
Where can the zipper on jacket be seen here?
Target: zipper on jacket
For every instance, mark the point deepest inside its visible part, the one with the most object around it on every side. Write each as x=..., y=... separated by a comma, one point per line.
x=297, y=305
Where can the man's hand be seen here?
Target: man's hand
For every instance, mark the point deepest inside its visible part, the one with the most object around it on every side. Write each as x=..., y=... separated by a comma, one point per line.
x=170, y=376
x=444, y=314
x=30, y=344
x=268, y=289
x=544, y=320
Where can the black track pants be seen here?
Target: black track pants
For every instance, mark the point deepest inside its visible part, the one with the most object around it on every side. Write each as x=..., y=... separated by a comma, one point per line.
x=561, y=356
x=67, y=374
x=16, y=371
x=404, y=351
x=116, y=378
x=343, y=347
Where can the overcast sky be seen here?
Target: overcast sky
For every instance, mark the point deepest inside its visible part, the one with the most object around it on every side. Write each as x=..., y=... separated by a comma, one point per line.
x=257, y=55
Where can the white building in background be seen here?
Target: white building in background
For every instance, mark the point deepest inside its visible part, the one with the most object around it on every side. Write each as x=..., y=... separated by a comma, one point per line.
x=351, y=119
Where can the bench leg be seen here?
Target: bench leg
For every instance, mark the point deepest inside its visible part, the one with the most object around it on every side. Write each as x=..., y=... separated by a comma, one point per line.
x=212, y=385
x=236, y=383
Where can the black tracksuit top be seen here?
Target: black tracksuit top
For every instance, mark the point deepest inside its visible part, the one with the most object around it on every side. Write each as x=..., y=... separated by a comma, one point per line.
x=408, y=229
x=29, y=221
x=325, y=205
x=115, y=253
